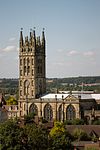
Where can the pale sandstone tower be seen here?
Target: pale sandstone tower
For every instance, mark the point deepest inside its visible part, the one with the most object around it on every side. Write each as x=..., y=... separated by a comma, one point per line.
x=32, y=78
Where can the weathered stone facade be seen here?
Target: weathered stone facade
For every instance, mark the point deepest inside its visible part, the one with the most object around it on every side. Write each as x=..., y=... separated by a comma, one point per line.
x=32, y=81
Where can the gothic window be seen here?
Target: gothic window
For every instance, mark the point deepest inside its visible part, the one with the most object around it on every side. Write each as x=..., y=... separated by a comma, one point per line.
x=32, y=61
x=32, y=72
x=20, y=92
x=21, y=72
x=24, y=69
x=20, y=83
x=24, y=107
x=48, y=112
x=28, y=61
x=70, y=112
x=24, y=61
x=22, y=49
x=32, y=83
x=28, y=69
x=20, y=104
x=32, y=93
x=60, y=113
x=33, y=109
x=26, y=87
x=20, y=61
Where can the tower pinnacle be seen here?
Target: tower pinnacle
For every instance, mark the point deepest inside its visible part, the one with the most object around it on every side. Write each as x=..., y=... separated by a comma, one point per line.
x=43, y=37
x=21, y=37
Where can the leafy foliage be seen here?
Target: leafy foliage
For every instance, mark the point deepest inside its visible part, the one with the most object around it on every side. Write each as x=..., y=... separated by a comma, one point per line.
x=59, y=137
x=37, y=138
x=11, y=101
x=80, y=135
x=96, y=122
x=58, y=128
x=74, y=122
x=29, y=118
x=10, y=136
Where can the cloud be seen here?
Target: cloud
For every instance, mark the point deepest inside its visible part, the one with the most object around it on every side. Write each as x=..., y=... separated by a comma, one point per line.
x=89, y=53
x=9, y=48
x=72, y=52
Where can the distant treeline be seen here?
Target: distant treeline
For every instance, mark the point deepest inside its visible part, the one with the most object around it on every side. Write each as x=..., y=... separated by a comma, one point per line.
x=72, y=83
x=77, y=80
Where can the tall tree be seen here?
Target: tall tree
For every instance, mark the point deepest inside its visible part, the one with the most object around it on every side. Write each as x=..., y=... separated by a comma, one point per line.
x=10, y=136
x=59, y=138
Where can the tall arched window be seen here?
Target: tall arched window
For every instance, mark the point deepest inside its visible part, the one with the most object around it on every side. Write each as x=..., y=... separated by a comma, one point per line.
x=28, y=61
x=60, y=113
x=33, y=109
x=48, y=113
x=26, y=87
x=70, y=112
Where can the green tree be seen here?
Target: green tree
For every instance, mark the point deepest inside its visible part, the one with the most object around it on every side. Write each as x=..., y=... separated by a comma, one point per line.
x=11, y=101
x=36, y=137
x=59, y=137
x=11, y=136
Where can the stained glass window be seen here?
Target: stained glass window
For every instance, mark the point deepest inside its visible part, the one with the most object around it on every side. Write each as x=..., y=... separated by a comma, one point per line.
x=48, y=113
x=70, y=112
x=33, y=109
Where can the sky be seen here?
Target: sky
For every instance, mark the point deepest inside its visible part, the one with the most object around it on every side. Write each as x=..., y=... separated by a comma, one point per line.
x=72, y=30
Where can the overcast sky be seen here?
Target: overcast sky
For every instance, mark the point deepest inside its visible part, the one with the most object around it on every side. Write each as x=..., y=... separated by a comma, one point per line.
x=72, y=29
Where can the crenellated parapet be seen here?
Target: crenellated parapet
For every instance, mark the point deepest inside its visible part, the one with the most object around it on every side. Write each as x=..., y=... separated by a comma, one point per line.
x=32, y=43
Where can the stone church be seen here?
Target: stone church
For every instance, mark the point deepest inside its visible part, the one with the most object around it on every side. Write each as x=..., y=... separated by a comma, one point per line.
x=59, y=106
x=32, y=87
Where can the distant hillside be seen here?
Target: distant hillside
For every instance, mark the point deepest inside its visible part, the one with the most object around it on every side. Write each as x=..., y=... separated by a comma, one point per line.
x=72, y=83
x=77, y=80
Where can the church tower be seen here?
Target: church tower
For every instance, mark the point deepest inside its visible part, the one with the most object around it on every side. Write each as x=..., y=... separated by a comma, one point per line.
x=32, y=80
